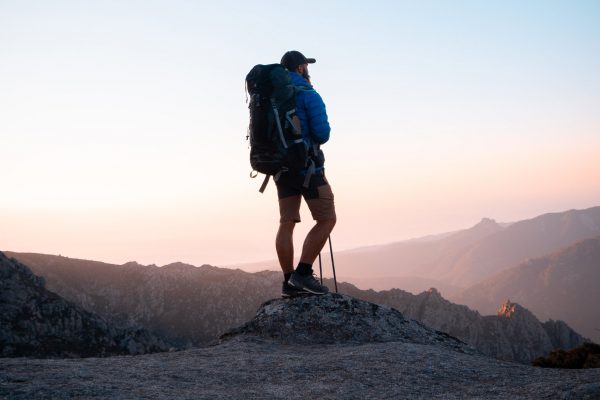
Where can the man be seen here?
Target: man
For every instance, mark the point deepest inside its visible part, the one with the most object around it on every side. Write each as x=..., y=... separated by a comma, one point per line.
x=315, y=189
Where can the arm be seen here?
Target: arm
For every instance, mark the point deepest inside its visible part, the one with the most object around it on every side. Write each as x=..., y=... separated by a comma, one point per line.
x=317, y=117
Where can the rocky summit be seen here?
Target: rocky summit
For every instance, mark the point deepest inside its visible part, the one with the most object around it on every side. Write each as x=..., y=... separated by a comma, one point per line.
x=338, y=319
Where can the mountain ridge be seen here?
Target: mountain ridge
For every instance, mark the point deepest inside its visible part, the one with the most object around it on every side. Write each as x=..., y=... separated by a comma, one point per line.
x=37, y=322
x=456, y=260
x=562, y=285
x=193, y=306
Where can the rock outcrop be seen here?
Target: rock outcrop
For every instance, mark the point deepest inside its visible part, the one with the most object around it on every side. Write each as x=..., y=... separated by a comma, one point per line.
x=338, y=319
x=38, y=323
x=520, y=336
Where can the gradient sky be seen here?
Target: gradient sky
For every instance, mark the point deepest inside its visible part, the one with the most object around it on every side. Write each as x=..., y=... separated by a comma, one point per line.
x=123, y=123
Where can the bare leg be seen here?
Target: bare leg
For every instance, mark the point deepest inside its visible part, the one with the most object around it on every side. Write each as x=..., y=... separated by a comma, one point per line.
x=284, y=244
x=315, y=240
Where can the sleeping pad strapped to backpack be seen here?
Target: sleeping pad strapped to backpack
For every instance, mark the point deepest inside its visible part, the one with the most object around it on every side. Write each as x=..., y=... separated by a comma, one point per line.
x=276, y=144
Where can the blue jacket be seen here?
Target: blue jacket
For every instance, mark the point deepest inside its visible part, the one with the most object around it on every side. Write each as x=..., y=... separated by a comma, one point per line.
x=311, y=113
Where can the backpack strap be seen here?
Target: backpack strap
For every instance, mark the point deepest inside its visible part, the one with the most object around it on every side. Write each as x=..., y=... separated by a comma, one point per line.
x=275, y=178
x=309, y=173
x=264, y=184
x=278, y=123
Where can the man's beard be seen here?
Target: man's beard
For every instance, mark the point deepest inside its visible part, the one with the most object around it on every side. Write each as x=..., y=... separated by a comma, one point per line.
x=306, y=76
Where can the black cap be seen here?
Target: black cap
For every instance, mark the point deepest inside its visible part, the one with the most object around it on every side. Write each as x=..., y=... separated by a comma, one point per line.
x=293, y=58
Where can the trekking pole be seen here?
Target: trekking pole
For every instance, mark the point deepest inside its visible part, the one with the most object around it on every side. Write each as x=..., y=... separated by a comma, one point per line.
x=332, y=264
x=320, y=269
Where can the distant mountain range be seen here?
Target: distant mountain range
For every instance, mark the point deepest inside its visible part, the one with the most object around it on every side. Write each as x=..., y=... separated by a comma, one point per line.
x=563, y=285
x=457, y=260
x=194, y=305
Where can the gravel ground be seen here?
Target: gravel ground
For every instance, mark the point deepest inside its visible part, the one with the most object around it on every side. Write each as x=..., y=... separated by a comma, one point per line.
x=260, y=369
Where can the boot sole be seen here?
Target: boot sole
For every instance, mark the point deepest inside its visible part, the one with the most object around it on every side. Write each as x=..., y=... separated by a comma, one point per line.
x=307, y=289
x=287, y=296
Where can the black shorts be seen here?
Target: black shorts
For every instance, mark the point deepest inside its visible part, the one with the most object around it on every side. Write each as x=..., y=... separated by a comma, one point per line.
x=318, y=196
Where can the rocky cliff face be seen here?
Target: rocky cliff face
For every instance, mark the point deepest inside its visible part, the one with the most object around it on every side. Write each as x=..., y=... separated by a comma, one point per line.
x=561, y=335
x=518, y=335
x=36, y=322
x=514, y=334
x=189, y=305
x=563, y=285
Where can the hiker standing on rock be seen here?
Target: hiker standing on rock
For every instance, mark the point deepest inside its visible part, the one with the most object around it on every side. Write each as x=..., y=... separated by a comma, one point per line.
x=309, y=183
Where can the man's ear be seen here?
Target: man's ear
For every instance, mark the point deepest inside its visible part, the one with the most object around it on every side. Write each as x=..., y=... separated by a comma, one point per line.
x=300, y=69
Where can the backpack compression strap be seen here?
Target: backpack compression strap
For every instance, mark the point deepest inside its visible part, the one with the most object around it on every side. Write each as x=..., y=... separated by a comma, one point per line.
x=275, y=178
x=309, y=173
x=264, y=184
x=311, y=168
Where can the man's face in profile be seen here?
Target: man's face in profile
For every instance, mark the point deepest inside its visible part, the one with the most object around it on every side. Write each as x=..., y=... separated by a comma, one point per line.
x=304, y=71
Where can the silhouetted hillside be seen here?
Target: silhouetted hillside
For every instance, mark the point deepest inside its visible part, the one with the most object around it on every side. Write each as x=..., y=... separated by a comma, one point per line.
x=563, y=285
x=192, y=305
x=39, y=323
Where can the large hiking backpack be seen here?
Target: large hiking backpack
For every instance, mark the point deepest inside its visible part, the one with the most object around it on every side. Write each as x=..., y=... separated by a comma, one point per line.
x=276, y=144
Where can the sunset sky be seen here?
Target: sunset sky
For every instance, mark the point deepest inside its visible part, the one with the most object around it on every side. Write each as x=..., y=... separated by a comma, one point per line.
x=123, y=123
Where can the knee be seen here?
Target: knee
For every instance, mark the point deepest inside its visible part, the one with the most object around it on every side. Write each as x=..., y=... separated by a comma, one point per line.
x=332, y=222
x=287, y=227
x=327, y=224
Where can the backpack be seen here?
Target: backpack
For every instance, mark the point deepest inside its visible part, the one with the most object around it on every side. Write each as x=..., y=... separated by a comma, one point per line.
x=276, y=144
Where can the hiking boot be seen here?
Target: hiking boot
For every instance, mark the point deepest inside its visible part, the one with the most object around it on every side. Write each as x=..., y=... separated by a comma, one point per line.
x=288, y=290
x=308, y=283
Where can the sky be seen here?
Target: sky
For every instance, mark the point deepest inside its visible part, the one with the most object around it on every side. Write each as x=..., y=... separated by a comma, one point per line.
x=123, y=123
